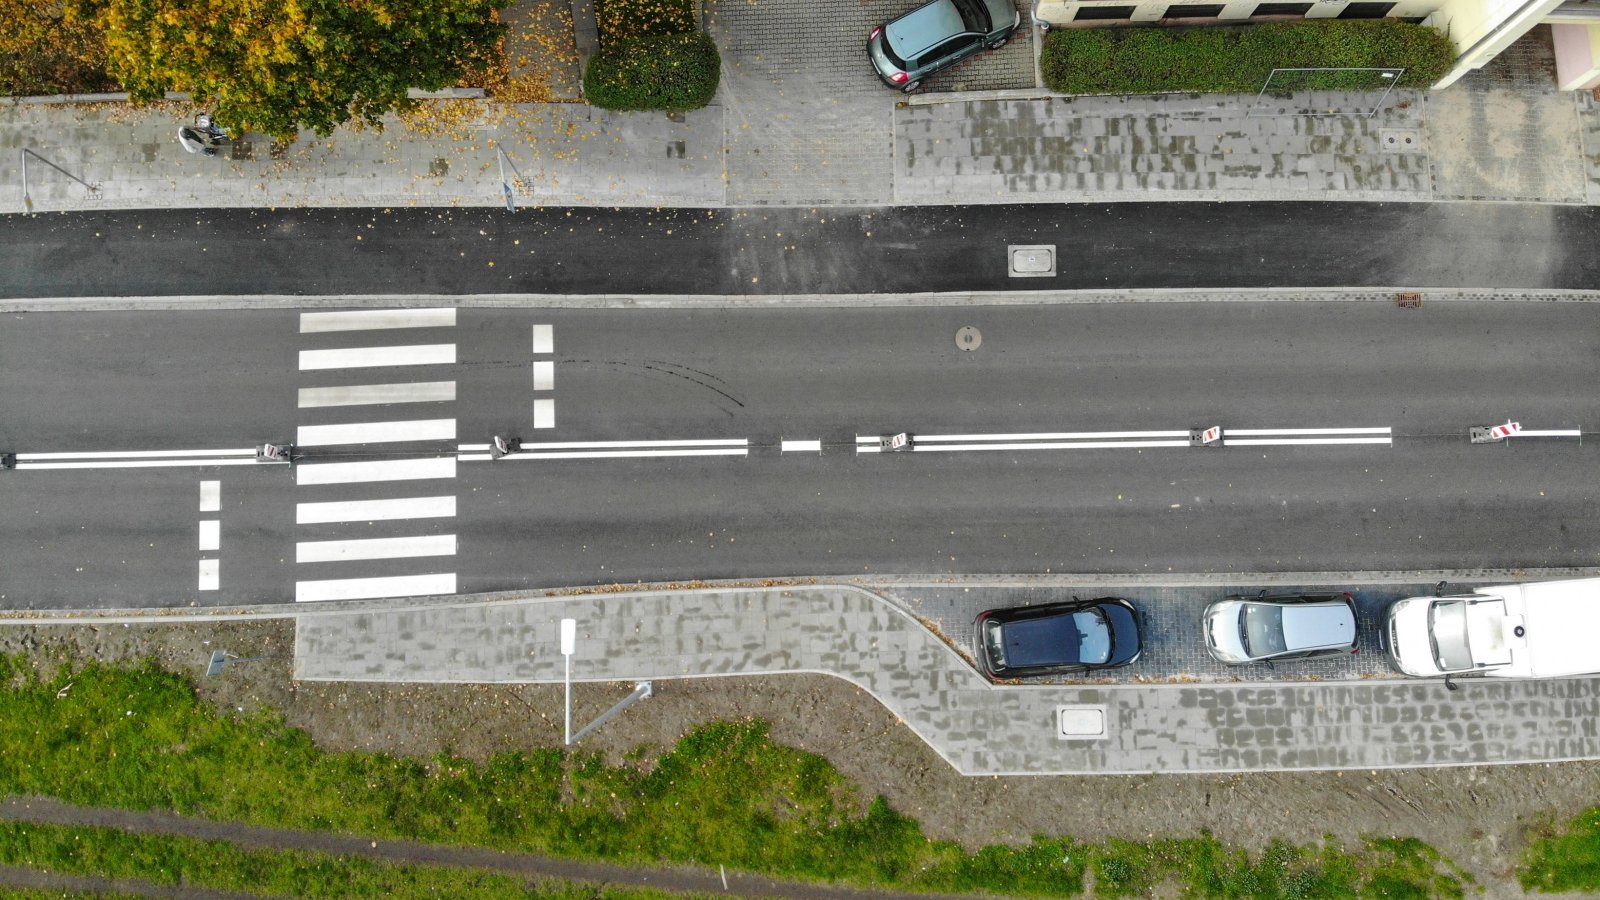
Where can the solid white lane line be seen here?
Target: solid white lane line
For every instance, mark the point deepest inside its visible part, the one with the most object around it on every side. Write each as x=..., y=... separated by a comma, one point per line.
x=615, y=454
x=210, y=534
x=377, y=470
x=1046, y=436
x=475, y=457
x=135, y=464
x=210, y=496
x=138, y=454
x=468, y=448
x=372, y=394
x=210, y=574
x=369, y=319
x=375, y=548
x=802, y=446
x=376, y=432
x=604, y=445
x=367, y=588
x=544, y=413
x=368, y=357
x=1293, y=442
x=544, y=375
x=374, y=510
x=543, y=339
x=1229, y=433
x=1072, y=445
x=1550, y=432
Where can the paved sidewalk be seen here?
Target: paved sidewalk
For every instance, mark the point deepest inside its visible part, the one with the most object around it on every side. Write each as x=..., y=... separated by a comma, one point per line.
x=980, y=728
x=806, y=124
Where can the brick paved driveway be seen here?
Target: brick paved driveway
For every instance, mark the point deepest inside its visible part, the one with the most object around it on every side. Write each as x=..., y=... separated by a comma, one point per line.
x=807, y=120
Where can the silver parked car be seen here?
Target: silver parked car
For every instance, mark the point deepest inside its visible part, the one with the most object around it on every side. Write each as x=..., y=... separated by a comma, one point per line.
x=938, y=35
x=1243, y=630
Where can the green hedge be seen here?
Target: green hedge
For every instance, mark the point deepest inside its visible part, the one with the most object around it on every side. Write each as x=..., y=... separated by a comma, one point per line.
x=1222, y=60
x=670, y=71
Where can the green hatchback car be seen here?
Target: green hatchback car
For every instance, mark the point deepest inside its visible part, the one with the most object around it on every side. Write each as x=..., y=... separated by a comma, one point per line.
x=938, y=35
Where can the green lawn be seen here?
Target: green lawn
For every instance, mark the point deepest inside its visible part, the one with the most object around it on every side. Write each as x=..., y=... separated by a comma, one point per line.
x=139, y=738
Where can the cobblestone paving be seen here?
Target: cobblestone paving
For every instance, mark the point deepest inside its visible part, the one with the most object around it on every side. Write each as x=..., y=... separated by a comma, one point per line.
x=1174, y=648
x=1505, y=133
x=1073, y=149
x=807, y=120
x=980, y=728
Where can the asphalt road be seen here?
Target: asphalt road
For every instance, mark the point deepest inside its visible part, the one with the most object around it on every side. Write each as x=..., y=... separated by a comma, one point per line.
x=737, y=252
x=1421, y=497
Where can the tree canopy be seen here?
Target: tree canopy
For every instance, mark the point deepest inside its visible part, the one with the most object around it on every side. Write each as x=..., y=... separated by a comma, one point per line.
x=278, y=66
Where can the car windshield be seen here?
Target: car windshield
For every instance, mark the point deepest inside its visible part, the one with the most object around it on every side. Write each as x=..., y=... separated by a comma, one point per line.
x=974, y=14
x=1082, y=637
x=1261, y=629
x=1447, y=631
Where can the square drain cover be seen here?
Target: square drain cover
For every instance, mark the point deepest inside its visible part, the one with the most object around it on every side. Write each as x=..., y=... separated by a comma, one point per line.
x=1400, y=140
x=1032, y=260
x=1081, y=723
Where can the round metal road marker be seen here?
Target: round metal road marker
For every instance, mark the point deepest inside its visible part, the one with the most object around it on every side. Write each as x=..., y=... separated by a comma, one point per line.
x=969, y=338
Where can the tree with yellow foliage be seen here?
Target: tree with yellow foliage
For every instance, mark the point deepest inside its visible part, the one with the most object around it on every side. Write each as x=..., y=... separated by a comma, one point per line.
x=279, y=66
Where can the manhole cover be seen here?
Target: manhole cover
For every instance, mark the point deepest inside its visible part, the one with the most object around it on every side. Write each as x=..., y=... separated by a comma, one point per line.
x=1032, y=260
x=969, y=338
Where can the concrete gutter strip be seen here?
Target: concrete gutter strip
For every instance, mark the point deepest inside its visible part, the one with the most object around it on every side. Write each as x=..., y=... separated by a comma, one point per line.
x=789, y=301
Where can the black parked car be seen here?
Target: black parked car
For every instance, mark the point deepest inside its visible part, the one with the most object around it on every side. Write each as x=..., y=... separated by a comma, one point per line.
x=1057, y=638
x=936, y=36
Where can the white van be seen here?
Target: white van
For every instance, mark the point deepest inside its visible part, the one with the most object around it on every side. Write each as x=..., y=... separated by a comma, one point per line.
x=1546, y=629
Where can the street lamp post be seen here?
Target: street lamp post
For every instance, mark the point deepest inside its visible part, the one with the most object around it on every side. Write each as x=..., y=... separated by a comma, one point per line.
x=569, y=643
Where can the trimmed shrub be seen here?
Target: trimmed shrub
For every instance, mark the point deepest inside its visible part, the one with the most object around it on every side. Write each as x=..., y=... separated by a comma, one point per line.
x=621, y=19
x=673, y=72
x=1222, y=60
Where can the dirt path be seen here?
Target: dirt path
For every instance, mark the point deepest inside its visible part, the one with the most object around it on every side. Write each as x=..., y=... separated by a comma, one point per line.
x=695, y=879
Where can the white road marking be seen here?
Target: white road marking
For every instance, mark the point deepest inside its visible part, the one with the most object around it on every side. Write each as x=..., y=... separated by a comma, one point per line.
x=368, y=357
x=368, y=319
x=919, y=447
x=544, y=375
x=367, y=588
x=1296, y=442
x=598, y=445
x=543, y=339
x=375, y=548
x=210, y=576
x=611, y=454
x=376, y=432
x=802, y=446
x=378, y=470
x=372, y=394
x=210, y=496
x=1230, y=433
x=136, y=464
x=375, y=510
x=210, y=534
x=137, y=454
x=1551, y=432
x=1046, y=436
x=544, y=413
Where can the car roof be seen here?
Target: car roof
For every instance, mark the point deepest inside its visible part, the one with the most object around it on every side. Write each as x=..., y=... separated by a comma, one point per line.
x=920, y=29
x=1307, y=626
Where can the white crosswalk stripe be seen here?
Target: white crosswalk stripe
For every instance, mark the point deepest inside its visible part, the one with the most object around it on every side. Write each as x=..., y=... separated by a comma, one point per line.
x=339, y=552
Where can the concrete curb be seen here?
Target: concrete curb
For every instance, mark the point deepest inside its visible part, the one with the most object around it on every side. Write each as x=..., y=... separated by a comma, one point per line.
x=790, y=301
x=878, y=586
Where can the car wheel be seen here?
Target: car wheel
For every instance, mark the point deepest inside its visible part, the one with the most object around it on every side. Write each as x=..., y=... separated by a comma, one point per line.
x=910, y=86
x=996, y=45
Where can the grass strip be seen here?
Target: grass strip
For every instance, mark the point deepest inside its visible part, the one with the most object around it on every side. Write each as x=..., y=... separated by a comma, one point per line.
x=218, y=865
x=139, y=738
x=1566, y=859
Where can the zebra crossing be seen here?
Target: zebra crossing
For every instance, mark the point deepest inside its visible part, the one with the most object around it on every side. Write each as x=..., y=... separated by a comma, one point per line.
x=342, y=530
